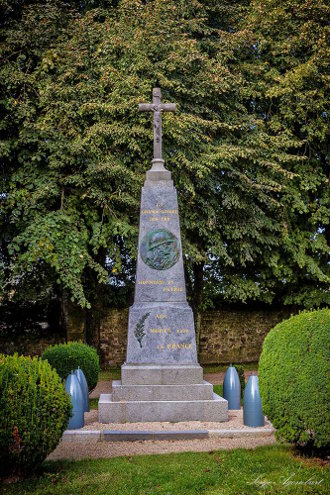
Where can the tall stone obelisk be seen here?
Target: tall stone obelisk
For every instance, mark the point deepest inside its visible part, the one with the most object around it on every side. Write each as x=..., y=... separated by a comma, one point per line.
x=161, y=379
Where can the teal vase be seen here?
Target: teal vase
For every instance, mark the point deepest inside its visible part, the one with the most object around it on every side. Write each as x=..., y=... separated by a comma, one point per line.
x=252, y=407
x=232, y=388
x=73, y=388
x=84, y=387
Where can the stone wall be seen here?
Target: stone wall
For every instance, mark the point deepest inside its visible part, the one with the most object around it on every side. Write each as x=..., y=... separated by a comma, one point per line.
x=113, y=337
x=226, y=335
x=236, y=335
x=27, y=345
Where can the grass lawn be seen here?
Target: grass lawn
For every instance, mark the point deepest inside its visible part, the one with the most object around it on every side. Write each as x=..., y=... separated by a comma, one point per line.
x=218, y=389
x=236, y=472
x=93, y=403
x=110, y=374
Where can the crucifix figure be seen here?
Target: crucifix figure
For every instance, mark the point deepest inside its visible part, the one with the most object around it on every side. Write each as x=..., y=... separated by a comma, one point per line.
x=157, y=107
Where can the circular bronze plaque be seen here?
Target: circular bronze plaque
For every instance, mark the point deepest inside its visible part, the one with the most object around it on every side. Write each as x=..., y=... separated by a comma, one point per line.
x=160, y=249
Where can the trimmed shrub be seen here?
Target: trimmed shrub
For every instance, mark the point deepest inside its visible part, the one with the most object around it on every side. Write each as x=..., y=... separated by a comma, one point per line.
x=240, y=372
x=34, y=412
x=67, y=357
x=294, y=379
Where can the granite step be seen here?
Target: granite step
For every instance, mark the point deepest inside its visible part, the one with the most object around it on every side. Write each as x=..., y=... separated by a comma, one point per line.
x=181, y=374
x=196, y=391
x=214, y=410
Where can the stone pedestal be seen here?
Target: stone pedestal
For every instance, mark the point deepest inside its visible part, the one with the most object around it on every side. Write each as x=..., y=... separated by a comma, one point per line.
x=161, y=379
x=161, y=393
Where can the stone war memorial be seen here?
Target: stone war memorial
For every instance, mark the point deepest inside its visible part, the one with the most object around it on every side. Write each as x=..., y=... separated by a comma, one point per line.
x=161, y=379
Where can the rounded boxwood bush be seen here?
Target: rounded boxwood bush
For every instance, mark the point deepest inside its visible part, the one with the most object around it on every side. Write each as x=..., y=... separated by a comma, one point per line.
x=294, y=379
x=67, y=357
x=34, y=412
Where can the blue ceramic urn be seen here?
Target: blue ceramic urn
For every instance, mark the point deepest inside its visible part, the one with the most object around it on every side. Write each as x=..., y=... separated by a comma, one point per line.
x=252, y=407
x=232, y=388
x=73, y=388
x=84, y=387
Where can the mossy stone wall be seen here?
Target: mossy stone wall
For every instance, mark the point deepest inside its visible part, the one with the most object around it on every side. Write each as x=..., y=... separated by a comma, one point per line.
x=236, y=335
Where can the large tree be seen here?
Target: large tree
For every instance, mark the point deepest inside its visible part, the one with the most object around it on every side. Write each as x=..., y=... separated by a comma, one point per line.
x=75, y=149
x=287, y=70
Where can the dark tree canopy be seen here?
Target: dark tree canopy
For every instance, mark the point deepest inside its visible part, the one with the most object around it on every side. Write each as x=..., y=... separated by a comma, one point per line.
x=247, y=147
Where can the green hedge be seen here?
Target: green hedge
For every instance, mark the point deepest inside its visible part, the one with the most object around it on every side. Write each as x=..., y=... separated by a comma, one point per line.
x=67, y=357
x=294, y=379
x=34, y=412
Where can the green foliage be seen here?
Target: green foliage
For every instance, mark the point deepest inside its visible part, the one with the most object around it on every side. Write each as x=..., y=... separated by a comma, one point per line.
x=94, y=403
x=67, y=357
x=294, y=377
x=34, y=412
x=289, y=86
x=240, y=371
x=246, y=147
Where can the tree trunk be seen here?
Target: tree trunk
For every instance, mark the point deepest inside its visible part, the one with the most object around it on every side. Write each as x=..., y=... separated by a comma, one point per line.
x=95, y=295
x=93, y=326
x=197, y=299
x=64, y=313
x=72, y=318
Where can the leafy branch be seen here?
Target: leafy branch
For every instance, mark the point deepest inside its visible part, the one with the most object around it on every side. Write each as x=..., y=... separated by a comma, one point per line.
x=139, y=332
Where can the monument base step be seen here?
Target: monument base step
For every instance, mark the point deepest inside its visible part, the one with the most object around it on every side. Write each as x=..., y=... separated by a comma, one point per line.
x=195, y=391
x=182, y=374
x=214, y=410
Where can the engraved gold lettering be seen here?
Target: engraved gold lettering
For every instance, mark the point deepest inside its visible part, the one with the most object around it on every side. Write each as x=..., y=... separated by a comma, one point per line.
x=160, y=330
x=150, y=282
x=160, y=316
x=183, y=345
x=159, y=212
x=172, y=289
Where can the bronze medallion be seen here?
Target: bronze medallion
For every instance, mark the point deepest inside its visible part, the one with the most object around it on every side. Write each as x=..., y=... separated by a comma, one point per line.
x=160, y=249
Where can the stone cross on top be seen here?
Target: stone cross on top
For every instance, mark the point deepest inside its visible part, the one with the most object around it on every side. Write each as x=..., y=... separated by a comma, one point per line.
x=157, y=107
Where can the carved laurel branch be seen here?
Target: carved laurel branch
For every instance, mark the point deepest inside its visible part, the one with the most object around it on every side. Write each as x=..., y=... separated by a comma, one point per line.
x=139, y=332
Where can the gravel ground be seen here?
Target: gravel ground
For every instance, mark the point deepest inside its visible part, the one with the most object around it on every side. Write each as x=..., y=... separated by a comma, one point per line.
x=235, y=421
x=92, y=450
x=85, y=450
